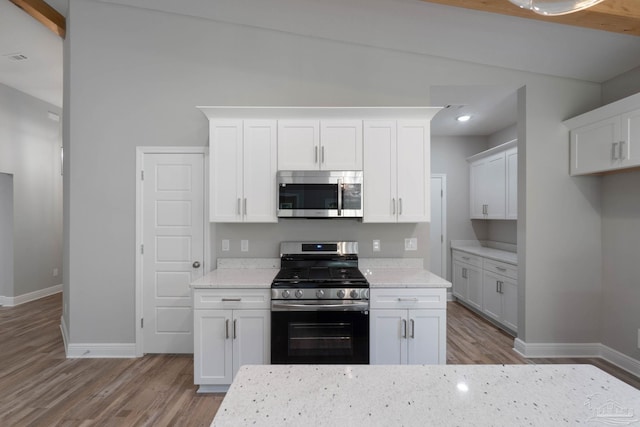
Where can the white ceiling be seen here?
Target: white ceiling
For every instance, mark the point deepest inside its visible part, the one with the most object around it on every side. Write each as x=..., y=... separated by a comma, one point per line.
x=461, y=34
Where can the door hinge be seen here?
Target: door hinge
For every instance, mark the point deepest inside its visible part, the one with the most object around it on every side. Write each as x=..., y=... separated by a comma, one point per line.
x=142, y=322
x=142, y=175
x=142, y=249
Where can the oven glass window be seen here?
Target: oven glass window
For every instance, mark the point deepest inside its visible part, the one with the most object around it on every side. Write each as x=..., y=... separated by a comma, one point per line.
x=320, y=339
x=308, y=196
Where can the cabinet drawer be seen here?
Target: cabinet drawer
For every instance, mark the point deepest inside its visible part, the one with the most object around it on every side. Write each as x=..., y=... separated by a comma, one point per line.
x=398, y=298
x=501, y=268
x=231, y=298
x=467, y=258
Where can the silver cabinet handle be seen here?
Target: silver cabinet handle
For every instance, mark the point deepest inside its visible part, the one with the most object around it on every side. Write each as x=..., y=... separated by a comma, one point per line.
x=464, y=273
x=400, y=206
x=413, y=329
x=245, y=205
x=614, y=146
x=226, y=328
x=501, y=269
x=322, y=157
x=621, y=145
x=231, y=299
x=316, y=155
x=497, y=286
x=393, y=206
x=238, y=206
x=404, y=328
x=235, y=321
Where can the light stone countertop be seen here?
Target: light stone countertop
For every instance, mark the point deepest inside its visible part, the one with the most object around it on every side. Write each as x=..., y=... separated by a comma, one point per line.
x=491, y=253
x=403, y=278
x=235, y=278
x=419, y=395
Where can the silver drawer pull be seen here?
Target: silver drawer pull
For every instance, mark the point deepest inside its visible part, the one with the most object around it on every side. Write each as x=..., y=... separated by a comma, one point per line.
x=414, y=299
x=231, y=299
x=466, y=257
x=501, y=269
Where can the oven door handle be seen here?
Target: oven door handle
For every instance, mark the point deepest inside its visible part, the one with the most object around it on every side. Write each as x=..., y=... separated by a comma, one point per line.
x=355, y=306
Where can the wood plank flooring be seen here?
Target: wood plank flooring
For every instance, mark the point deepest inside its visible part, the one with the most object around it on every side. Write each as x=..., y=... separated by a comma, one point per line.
x=40, y=387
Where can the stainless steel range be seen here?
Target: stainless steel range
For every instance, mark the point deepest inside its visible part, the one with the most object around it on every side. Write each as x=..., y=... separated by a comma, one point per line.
x=319, y=305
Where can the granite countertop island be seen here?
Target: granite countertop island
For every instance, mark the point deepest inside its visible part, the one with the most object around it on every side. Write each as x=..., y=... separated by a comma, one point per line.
x=438, y=395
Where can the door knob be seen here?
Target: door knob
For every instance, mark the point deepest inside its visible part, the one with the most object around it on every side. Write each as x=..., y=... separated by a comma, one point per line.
x=196, y=264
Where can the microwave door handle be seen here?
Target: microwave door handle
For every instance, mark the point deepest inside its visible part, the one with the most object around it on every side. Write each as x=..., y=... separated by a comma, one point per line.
x=340, y=191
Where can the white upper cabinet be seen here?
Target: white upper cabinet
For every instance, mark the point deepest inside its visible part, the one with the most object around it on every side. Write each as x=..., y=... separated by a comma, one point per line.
x=243, y=164
x=397, y=171
x=323, y=145
x=493, y=185
x=607, y=138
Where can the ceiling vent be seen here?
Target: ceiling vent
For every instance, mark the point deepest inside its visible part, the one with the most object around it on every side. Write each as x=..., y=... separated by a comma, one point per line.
x=16, y=57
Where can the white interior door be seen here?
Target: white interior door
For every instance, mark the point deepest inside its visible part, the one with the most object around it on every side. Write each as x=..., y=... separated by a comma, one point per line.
x=437, y=227
x=173, y=248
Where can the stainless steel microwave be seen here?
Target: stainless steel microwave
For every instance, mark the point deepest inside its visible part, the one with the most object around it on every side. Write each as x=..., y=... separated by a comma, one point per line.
x=319, y=194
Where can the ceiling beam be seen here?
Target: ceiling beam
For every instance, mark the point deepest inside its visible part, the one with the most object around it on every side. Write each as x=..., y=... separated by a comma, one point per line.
x=618, y=16
x=45, y=14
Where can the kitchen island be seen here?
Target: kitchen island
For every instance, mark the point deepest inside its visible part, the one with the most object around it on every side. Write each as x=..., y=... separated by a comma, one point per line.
x=464, y=395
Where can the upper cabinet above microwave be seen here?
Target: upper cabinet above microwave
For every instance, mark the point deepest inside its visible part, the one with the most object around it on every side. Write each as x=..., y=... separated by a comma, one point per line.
x=607, y=138
x=320, y=145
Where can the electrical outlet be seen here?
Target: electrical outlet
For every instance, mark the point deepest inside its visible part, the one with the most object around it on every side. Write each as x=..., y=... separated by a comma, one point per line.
x=225, y=245
x=411, y=244
x=55, y=272
x=376, y=246
x=244, y=245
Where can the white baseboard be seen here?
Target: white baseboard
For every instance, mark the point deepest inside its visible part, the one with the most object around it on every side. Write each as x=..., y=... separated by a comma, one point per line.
x=31, y=296
x=553, y=350
x=65, y=334
x=98, y=350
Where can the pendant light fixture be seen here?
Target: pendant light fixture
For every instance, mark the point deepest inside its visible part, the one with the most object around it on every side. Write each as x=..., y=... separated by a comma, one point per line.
x=555, y=7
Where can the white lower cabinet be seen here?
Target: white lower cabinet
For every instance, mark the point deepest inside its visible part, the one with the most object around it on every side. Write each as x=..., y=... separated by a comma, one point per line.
x=489, y=286
x=408, y=326
x=231, y=329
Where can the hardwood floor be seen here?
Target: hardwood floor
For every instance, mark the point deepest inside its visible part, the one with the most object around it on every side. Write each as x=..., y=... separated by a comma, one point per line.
x=40, y=387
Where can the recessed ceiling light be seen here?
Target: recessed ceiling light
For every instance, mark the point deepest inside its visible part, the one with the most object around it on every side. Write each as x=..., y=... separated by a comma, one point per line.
x=464, y=118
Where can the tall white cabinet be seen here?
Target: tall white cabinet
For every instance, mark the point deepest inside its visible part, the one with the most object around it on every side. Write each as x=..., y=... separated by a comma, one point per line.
x=397, y=170
x=607, y=138
x=243, y=166
x=494, y=183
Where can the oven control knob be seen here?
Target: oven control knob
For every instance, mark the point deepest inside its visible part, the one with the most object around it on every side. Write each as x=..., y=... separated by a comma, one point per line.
x=341, y=293
x=320, y=293
x=354, y=293
x=286, y=293
x=299, y=293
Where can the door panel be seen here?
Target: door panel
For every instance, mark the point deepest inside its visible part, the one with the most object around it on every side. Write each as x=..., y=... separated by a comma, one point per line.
x=426, y=331
x=388, y=344
x=173, y=239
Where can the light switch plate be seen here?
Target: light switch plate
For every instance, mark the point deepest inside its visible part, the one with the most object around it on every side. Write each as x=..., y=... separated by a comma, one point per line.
x=225, y=245
x=411, y=244
x=376, y=246
x=244, y=245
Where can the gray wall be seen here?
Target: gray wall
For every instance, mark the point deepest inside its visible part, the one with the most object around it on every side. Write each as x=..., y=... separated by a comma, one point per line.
x=139, y=85
x=6, y=235
x=30, y=151
x=622, y=86
x=448, y=156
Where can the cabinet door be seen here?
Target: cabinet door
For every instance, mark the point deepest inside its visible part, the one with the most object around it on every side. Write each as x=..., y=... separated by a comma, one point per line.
x=251, y=338
x=495, y=186
x=341, y=144
x=414, y=171
x=510, y=304
x=459, y=280
x=426, y=332
x=630, y=137
x=474, y=286
x=477, y=188
x=379, y=188
x=388, y=344
x=225, y=160
x=212, y=351
x=512, y=184
x=298, y=144
x=595, y=147
x=259, y=171
x=491, y=298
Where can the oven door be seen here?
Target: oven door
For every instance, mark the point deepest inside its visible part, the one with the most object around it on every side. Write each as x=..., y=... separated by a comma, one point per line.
x=319, y=337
